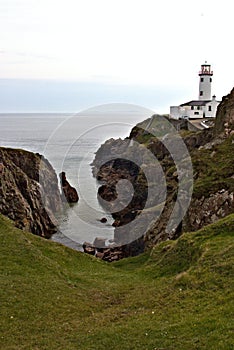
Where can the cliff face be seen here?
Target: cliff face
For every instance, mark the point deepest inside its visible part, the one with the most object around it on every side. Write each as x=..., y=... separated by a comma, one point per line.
x=29, y=193
x=224, y=123
x=213, y=196
x=211, y=152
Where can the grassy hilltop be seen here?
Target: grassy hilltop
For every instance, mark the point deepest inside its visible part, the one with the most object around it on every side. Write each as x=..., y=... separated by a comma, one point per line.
x=179, y=296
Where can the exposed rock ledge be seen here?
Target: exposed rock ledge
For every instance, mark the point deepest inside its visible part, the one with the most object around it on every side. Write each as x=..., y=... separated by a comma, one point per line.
x=29, y=193
x=204, y=211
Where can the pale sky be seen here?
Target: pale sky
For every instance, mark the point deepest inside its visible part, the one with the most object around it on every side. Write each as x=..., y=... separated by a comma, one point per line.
x=127, y=42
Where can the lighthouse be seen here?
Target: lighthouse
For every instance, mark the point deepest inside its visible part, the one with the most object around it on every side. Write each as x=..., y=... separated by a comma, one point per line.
x=205, y=81
x=205, y=106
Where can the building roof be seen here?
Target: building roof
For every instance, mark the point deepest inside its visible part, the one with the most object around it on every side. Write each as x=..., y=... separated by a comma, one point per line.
x=195, y=103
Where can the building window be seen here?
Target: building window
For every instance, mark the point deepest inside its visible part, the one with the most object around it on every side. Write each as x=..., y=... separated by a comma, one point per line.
x=202, y=79
x=192, y=108
x=209, y=108
x=198, y=107
x=210, y=80
x=201, y=93
x=196, y=113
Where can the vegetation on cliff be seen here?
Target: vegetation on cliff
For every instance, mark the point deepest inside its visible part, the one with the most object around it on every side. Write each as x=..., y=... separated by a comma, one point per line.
x=214, y=168
x=180, y=296
x=211, y=153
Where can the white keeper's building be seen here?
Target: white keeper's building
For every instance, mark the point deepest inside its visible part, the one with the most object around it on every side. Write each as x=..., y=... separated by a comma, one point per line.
x=205, y=106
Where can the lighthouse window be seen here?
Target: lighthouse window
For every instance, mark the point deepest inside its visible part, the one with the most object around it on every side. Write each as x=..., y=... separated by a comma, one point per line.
x=201, y=93
x=202, y=79
x=210, y=79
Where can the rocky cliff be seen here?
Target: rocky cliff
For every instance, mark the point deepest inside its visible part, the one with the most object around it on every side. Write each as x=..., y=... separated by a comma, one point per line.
x=224, y=122
x=29, y=193
x=211, y=153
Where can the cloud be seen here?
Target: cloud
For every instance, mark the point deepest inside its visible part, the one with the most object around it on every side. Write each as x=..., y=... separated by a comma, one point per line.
x=16, y=54
x=148, y=42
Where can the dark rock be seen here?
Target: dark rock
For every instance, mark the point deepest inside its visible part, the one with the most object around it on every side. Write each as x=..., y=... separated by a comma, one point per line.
x=107, y=193
x=103, y=220
x=89, y=248
x=100, y=255
x=113, y=252
x=69, y=192
x=116, y=257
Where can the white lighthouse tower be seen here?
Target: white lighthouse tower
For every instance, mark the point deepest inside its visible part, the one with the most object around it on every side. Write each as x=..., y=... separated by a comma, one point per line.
x=205, y=82
x=205, y=106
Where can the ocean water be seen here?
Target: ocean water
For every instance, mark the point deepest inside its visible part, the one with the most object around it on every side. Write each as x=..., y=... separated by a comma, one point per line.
x=69, y=142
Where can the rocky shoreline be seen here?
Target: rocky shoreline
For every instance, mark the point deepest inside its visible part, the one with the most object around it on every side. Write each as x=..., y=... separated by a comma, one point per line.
x=205, y=208
x=139, y=184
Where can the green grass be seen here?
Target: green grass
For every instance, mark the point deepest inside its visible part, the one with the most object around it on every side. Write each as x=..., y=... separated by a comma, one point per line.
x=178, y=296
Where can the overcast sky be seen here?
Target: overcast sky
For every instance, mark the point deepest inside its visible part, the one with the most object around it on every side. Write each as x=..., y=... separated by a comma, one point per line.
x=147, y=43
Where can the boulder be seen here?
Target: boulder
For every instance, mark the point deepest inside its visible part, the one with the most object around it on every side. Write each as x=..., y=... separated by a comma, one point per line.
x=99, y=242
x=103, y=220
x=89, y=248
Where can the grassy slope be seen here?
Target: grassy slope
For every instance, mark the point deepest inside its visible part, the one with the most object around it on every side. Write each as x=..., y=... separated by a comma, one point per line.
x=178, y=297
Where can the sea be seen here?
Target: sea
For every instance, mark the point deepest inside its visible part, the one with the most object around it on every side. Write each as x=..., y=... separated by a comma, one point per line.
x=69, y=142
